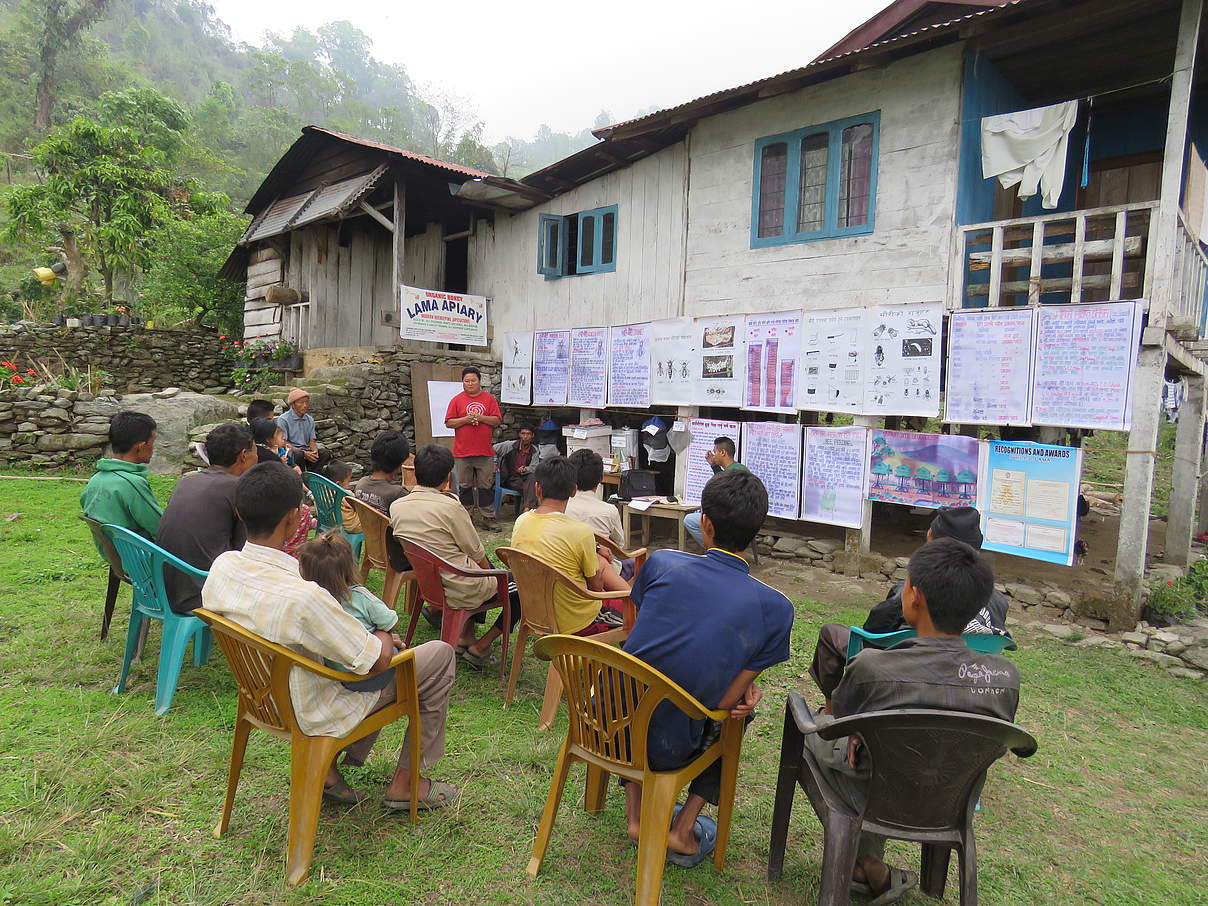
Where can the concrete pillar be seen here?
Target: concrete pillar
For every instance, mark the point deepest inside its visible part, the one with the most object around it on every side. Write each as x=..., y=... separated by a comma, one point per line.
x=859, y=541
x=1185, y=480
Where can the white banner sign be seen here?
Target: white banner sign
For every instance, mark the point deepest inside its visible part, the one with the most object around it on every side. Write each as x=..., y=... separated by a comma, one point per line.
x=629, y=366
x=673, y=362
x=437, y=317
x=440, y=393
x=517, y=369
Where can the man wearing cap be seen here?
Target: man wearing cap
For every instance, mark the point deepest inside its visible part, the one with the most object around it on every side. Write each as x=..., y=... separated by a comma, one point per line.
x=830, y=656
x=299, y=427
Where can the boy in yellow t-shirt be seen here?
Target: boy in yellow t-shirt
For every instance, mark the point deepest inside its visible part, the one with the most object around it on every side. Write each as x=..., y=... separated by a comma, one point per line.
x=567, y=544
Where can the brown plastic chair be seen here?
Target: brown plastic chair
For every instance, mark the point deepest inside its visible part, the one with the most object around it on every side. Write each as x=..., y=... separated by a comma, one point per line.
x=610, y=698
x=928, y=768
x=428, y=568
x=376, y=526
x=261, y=669
x=536, y=580
x=619, y=553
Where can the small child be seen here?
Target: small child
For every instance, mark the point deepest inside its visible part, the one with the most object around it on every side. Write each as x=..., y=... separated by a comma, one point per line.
x=341, y=474
x=328, y=562
x=270, y=441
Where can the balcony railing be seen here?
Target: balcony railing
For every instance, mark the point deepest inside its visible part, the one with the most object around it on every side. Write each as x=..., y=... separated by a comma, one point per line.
x=295, y=324
x=1191, y=274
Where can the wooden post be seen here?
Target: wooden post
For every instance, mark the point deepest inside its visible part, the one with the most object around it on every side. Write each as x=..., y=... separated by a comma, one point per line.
x=681, y=460
x=1184, y=481
x=859, y=541
x=398, y=243
x=1151, y=365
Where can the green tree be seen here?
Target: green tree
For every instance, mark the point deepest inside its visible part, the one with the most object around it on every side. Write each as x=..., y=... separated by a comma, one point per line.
x=156, y=121
x=58, y=28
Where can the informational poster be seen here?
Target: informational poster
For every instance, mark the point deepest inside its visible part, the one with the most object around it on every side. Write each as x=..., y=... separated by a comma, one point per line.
x=721, y=364
x=439, y=317
x=834, y=475
x=439, y=395
x=990, y=367
x=1085, y=359
x=703, y=431
x=517, y=369
x=903, y=344
x=928, y=470
x=772, y=451
x=833, y=356
x=629, y=366
x=1029, y=500
x=588, y=385
x=673, y=362
x=773, y=351
x=551, y=367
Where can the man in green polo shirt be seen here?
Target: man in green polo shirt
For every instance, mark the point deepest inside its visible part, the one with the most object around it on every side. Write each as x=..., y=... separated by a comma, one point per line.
x=721, y=458
x=119, y=492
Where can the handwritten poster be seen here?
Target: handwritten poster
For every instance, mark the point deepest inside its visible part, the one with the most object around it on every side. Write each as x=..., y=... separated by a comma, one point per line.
x=629, y=366
x=773, y=452
x=721, y=364
x=703, y=432
x=1085, y=357
x=588, y=384
x=551, y=367
x=831, y=372
x=1029, y=500
x=673, y=358
x=903, y=345
x=989, y=367
x=517, y=369
x=834, y=475
x=773, y=350
x=928, y=470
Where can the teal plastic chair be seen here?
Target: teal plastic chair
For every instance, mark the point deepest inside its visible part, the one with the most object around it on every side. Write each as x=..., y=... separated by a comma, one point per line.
x=144, y=564
x=328, y=496
x=984, y=643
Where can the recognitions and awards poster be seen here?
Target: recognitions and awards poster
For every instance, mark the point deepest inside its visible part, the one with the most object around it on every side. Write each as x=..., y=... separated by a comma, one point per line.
x=928, y=470
x=703, y=432
x=721, y=361
x=773, y=350
x=832, y=367
x=551, y=367
x=517, y=369
x=903, y=344
x=772, y=450
x=629, y=366
x=989, y=367
x=1029, y=500
x=588, y=385
x=834, y=475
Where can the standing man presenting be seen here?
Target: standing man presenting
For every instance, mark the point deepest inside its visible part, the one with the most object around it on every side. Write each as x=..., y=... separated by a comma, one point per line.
x=473, y=415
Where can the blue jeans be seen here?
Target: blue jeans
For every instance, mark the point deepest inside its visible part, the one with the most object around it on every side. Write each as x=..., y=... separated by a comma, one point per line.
x=692, y=526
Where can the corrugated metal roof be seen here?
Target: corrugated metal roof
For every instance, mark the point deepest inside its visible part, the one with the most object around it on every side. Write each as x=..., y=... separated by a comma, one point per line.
x=285, y=214
x=401, y=152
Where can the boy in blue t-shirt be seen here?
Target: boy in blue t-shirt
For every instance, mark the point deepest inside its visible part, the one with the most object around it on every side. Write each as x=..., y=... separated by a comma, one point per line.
x=705, y=623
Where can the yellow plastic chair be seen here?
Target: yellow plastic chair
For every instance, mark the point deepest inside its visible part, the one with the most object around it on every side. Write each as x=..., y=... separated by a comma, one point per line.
x=376, y=526
x=261, y=669
x=610, y=697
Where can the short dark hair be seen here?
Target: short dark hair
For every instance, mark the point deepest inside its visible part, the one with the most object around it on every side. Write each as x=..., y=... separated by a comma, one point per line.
x=556, y=477
x=736, y=502
x=338, y=471
x=226, y=442
x=471, y=369
x=529, y=428
x=128, y=429
x=259, y=409
x=389, y=451
x=263, y=429
x=264, y=494
x=726, y=444
x=956, y=582
x=433, y=463
x=589, y=467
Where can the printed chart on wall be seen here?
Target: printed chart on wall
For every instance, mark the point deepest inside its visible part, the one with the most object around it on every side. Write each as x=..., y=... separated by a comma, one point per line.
x=989, y=367
x=551, y=367
x=673, y=361
x=831, y=372
x=834, y=475
x=721, y=361
x=517, y=368
x=772, y=451
x=629, y=366
x=928, y=470
x=903, y=345
x=1029, y=500
x=703, y=432
x=588, y=385
x=1085, y=356
x=773, y=350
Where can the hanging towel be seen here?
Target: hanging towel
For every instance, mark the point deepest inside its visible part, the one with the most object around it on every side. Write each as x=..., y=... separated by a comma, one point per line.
x=1028, y=148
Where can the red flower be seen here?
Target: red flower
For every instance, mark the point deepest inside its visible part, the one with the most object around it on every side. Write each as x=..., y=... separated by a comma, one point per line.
x=30, y=371
x=1168, y=582
x=9, y=365
x=17, y=379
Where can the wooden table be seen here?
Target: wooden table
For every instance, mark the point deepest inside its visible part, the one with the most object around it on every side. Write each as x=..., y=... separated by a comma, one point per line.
x=612, y=478
x=675, y=511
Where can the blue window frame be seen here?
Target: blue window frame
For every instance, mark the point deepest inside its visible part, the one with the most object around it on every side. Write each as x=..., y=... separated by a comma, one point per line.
x=582, y=243
x=819, y=182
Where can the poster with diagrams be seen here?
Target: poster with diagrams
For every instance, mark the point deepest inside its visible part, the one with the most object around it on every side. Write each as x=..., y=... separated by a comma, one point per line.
x=1084, y=363
x=834, y=475
x=773, y=350
x=703, y=432
x=588, y=385
x=629, y=365
x=989, y=367
x=517, y=369
x=672, y=362
x=831, y=370
x=903, y=344
x=721, y=365
x=928, y=470
x=772, y=450
x=1029, y=500
x=551, y=367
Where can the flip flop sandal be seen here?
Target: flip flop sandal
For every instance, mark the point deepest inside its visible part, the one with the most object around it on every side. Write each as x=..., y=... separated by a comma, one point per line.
x=860, y=889
x=439, y=795
x=479, y=662
x=900, y=883
x=705, y=831
x=342, y=794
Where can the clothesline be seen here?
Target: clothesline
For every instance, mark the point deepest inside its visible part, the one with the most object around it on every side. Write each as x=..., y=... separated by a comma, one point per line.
x=1091, y=97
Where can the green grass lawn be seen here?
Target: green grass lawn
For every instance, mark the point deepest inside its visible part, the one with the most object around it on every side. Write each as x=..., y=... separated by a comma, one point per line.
x=102, y=802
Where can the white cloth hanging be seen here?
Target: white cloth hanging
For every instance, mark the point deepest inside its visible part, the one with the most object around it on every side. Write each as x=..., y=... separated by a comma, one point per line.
x=1028, y=148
